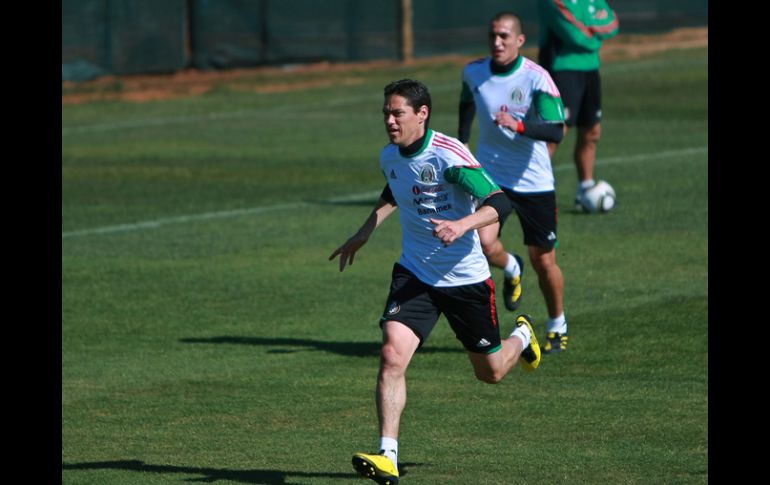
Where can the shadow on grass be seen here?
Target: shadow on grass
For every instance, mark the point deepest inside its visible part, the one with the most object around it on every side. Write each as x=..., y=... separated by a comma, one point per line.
x=263, y=477
x=284, y=345
x=266, y=477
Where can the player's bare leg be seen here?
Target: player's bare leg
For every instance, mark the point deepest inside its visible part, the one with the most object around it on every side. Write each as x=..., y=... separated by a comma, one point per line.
x=498, y=257
x=550, y=278
x=551, y=282
x=492, y=247
x=399, y=345
x=522, y=343
x=585, y=151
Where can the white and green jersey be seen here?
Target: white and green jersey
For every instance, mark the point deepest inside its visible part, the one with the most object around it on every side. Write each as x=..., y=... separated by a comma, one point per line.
x=440, y=181
x=526, y=92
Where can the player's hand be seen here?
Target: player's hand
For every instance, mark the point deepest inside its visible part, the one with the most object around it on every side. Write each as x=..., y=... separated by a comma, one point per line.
x=447, y=231
x=507, y=121
x=347, y=251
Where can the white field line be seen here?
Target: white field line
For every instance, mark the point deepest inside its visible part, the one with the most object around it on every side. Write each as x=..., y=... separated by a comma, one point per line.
x=350, y=198
x=638, y=158
x=175, y=220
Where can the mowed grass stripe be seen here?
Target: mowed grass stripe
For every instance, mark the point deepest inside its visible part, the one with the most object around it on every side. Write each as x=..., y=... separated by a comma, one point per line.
x=283, y=110
x=360, y=196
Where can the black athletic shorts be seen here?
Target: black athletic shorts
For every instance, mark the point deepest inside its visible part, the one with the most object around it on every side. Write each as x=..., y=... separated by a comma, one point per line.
x=537, y=213
x=470, y=310
x=581, y=94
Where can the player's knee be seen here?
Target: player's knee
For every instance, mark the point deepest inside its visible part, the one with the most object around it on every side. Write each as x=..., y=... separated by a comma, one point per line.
x=539, y=261
x=489, y=241
x=489, y=376
x=544, y=264
x=391, y=359
x=489, y=247
x=593, y=134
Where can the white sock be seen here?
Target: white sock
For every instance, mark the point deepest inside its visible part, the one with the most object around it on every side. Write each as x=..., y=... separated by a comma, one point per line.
x=523, y=333
x=389, y=447
x=558, y=324
x=587, y=184
x=512, y=269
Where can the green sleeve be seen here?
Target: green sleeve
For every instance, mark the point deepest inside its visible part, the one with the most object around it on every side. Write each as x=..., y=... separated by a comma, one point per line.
x=475, y=181
x=567, y=27
x=550, y=108
x=605, y=22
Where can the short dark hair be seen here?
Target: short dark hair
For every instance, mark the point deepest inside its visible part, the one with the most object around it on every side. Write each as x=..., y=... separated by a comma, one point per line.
x=415, y=93
x=509, y=15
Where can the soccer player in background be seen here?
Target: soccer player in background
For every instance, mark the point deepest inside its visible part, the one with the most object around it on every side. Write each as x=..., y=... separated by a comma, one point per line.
x=434, y=181
x=519, y=110
x=571, y=35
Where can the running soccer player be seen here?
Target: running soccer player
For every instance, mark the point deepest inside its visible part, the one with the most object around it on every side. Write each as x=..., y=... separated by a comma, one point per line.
x=519, y=110
x=434, y=181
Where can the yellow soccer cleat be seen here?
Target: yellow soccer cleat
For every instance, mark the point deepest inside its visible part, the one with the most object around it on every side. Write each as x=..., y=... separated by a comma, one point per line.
x=512, y=288
x=555, y=342
x=530, y=356
x=379, y=468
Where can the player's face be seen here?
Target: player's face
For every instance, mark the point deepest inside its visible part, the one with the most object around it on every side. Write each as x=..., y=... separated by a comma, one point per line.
x=505, y=40
x=402, y=124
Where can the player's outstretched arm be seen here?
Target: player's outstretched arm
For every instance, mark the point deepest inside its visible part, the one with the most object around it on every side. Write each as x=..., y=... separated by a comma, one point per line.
x=347, y=251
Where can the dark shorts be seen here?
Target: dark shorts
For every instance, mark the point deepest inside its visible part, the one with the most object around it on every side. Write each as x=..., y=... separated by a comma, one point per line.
x=537, y=215
x=470, y=310
x=581, y=93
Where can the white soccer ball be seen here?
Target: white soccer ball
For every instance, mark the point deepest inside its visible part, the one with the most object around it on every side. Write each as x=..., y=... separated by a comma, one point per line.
x=598, y=199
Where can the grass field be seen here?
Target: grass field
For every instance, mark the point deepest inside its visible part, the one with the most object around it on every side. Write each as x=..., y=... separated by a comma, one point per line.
x=205, y=336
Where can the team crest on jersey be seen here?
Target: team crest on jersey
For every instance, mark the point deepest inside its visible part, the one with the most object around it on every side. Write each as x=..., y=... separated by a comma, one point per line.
x=517, y=96
x=393, y=308
x=427, y=174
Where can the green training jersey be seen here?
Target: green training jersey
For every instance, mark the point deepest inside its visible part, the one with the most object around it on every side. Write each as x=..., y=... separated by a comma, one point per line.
x=573, y=30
